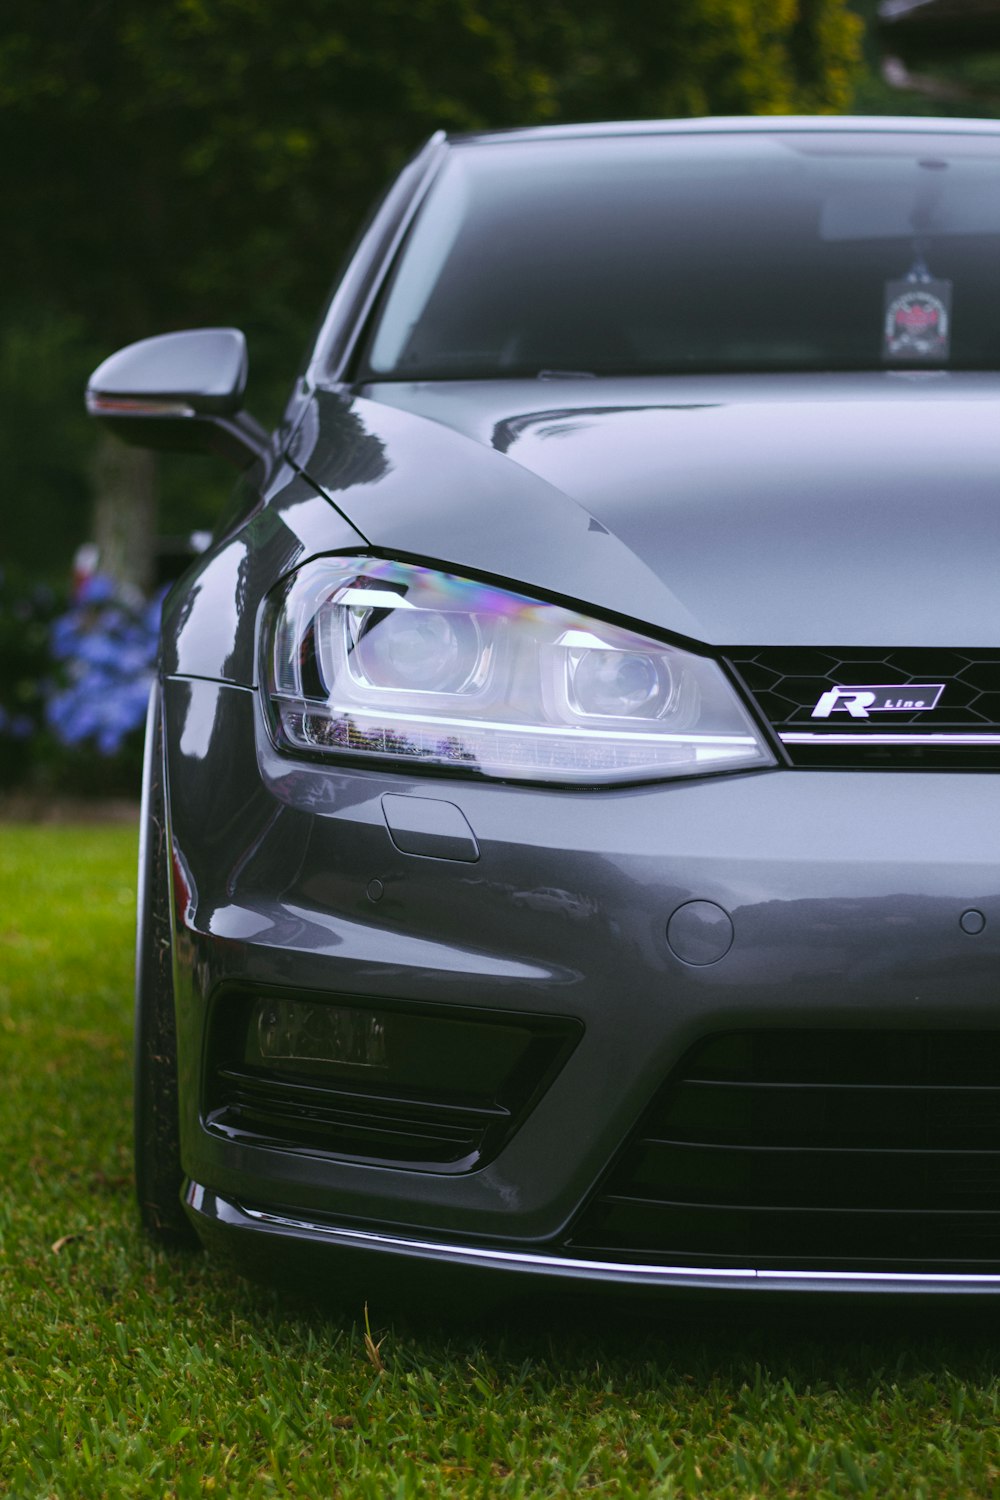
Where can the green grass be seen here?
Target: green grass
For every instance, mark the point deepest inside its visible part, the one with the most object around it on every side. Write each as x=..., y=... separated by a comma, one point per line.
x=125, y=1372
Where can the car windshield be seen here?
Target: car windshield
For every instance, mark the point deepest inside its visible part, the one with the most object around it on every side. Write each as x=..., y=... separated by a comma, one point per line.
x=808, y=250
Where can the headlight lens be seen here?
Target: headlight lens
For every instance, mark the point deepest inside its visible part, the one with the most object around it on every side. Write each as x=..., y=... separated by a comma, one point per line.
x=390, y=663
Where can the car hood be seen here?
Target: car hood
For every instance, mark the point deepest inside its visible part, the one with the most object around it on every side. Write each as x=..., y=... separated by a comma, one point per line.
x=758, y=510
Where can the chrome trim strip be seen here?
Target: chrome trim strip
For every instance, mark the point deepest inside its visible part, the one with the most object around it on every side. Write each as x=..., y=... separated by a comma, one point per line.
x=210, y=1206
x=483, y=1255
x=876, y=737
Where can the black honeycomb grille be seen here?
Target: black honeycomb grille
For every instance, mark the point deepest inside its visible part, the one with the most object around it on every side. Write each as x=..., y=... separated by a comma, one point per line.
x=787, y=682
x=809, y=1150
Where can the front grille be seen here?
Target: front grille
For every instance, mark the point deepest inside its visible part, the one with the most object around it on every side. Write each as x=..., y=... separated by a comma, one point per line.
x=423, y=1087
x=963, y=729
x=814, y=1150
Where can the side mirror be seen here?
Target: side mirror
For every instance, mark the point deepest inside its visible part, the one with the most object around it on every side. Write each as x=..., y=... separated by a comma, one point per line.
x=180, y=391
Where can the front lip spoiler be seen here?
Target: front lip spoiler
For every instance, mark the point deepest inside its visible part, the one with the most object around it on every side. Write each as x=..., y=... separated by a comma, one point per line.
x=213, y=1212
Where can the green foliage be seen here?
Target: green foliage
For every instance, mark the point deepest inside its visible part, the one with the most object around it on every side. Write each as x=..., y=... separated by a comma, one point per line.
x=191, y=163
x=45, y=358
x=129, y=1374
x=26, y=615
x=210, y=160
x=717, y=57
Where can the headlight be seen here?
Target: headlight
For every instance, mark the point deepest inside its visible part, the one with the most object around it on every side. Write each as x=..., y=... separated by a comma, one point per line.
x=388, y=663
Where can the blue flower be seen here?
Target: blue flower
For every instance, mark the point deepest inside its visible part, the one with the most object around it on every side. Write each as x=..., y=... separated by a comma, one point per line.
x=108, y=650
x=97, y=589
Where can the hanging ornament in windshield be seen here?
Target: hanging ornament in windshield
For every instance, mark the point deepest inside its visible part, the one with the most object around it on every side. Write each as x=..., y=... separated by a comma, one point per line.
x=917, y=321
x=917, y=324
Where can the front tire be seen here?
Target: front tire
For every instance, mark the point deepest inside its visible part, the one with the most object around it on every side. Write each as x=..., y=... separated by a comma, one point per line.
x=158, y=1172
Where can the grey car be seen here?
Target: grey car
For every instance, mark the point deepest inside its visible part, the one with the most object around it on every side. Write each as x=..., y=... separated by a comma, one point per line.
x=571, y=815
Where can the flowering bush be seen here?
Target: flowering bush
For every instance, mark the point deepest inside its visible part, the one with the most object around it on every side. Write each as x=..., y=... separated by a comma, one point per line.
x=73, y=687
x=106, y=646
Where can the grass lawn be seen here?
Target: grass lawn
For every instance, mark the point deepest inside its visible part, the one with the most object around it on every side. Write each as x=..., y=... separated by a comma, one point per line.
x=129, y=1373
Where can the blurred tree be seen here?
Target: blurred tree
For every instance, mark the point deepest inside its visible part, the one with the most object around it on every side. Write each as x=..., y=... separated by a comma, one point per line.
x=205, y=161
x=45, y=437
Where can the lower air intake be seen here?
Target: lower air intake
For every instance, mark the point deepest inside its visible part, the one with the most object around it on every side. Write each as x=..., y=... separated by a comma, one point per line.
x=424, y=1087
x=814, y=1150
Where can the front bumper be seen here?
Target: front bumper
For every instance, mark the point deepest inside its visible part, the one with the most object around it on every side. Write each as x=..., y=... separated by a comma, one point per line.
x=844, y=893
x=274, y=1239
